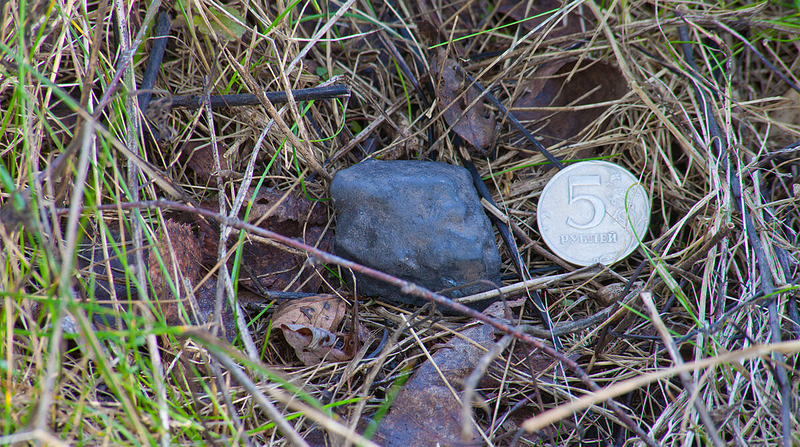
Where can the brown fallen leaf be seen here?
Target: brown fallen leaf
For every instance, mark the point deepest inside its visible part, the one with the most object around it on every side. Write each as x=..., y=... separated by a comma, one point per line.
x=474, y=127
x=312, y=344
x=273, y=266
x=321, y=311
x=309, y=324
x=428, y=33
x=290, y=214
x=181, y=264
x=591, y=84
x=424, y=412
x=186, y=265
x=185, y=247
x=200, y=159
x=276, y=267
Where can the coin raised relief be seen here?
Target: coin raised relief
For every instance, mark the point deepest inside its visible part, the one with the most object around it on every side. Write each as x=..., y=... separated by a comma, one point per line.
x=593, y=211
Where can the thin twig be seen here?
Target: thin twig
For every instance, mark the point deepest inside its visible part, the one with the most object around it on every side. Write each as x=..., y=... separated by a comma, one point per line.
x=533, y=284
x=156, y=55
x=250, y=99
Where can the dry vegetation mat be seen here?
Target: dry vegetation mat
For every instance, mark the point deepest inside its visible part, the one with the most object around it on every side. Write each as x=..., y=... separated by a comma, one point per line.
x=166, y=223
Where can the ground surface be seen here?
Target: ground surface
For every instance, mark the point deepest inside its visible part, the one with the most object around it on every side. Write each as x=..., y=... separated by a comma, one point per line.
x=123, y=243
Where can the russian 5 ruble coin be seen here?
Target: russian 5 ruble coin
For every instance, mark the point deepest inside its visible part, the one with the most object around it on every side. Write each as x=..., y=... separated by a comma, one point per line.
x=593, y=211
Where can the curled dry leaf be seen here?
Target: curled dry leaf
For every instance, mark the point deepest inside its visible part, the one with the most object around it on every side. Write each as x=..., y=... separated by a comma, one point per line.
x=474, y=127
x=321, y=311
x=312, y=344
x=309, y=325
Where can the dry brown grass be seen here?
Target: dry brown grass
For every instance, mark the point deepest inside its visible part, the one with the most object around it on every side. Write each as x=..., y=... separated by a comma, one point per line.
x=715, y=145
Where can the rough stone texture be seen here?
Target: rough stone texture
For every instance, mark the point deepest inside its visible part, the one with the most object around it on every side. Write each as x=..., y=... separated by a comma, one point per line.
x=420, y=221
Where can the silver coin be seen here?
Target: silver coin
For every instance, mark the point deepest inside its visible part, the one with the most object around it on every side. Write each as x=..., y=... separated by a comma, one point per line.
x=593, y=211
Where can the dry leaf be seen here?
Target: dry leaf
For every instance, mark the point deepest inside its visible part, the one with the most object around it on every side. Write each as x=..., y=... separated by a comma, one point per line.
x=591, y=84
x=308, y=325
x=274, y=266
x=312, y=344
x=321, y=311
x=201, y=160
x=290, y=215
x=474, y=127
x=185, y=248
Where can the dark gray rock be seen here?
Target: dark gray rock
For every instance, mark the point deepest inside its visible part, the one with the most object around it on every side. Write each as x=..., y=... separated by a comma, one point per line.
x=419, y=221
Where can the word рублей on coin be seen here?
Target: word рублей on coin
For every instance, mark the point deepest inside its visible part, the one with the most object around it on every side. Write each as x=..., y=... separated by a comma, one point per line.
x=593, y=211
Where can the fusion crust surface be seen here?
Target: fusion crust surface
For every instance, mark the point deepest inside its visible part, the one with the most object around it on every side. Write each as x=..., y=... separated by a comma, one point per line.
x=419, y=221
